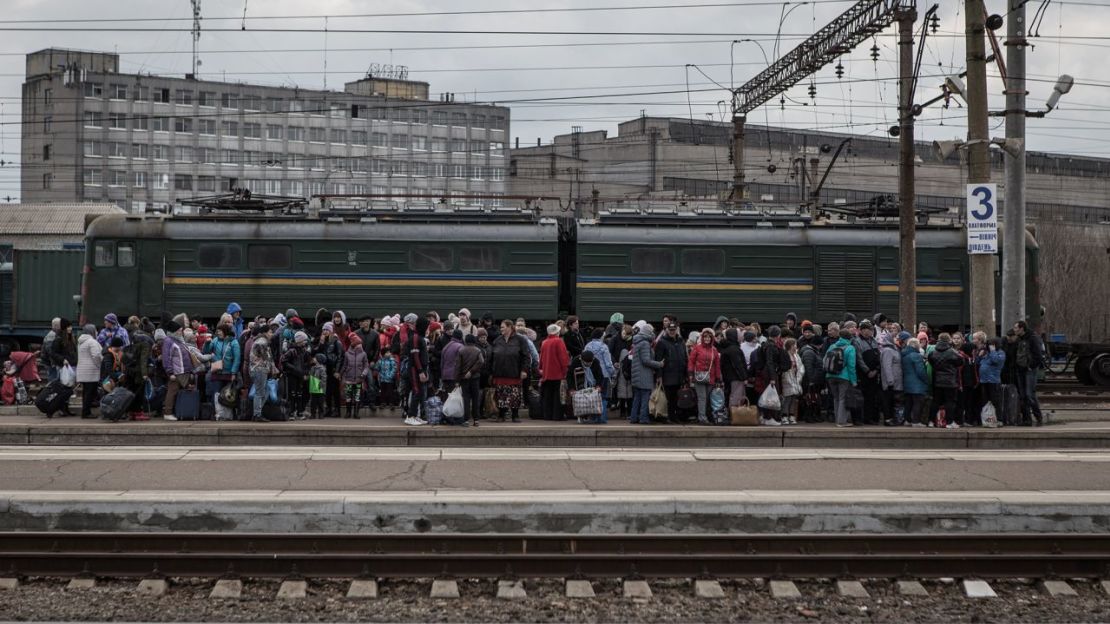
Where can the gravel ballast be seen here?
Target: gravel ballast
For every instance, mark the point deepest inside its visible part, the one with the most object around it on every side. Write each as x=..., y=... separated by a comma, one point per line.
x=673, y=601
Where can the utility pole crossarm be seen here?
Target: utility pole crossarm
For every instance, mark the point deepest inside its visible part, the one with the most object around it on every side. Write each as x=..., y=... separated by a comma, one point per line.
x=839, y=36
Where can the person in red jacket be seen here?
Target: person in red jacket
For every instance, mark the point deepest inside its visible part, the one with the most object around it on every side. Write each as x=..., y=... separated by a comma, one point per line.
x=554, y=361
x=704, y=370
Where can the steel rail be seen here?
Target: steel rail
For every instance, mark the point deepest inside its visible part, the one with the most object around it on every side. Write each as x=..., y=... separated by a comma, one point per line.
x=139, y=555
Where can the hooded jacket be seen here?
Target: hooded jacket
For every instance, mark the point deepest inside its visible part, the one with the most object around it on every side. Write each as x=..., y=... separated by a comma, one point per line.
x=733, y=366
x=173, y=355
x=890, y=358
x=643, y=367
x=704, y=358
x=672, y=352
x=946, y=365
x=237, y=325
x=915, y=379
x=811, y=360
x=990, y=366
x=89, y=357
x=848, y=373
x=355, y=365
x=601, y=355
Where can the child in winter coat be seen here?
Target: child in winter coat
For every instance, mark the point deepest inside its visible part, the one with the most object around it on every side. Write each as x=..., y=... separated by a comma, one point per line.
x=317, y=384
x=352, y=371
x=792, y=383
x=386, y=367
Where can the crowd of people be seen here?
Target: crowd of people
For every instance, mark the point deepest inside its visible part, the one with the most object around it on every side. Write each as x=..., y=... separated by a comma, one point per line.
x=851, y=372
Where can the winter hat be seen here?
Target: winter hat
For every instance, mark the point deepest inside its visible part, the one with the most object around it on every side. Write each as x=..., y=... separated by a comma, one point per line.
x=159, y=334
x=116, y=342
x=171, y=326
x=279, y=320
x=190, y=335
x=321, y=358
x=790, y=316
x=617, y=318
x=300, y=337
x=290, y=313
x=866, y=324
x=296, y=323
x=924, y=338
x=387, y=322
x=395, y=320
x=732, y=335
x=411, y=318
x=903, y=336
x=90, y=329
x=774, y=332
x=354, y=341
x=693, y=338
x=848, y=316
x=451, y=318
x=328, y=327
x=465, y=312
x=807, y=326
x=111, y=318
x=552, y=330
x=457, y=334
x=181, y=319
x=707, y=330
x=638, y=325
x=434, y=326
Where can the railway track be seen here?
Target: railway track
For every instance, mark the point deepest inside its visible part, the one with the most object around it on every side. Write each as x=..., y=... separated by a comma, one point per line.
x=295, y=556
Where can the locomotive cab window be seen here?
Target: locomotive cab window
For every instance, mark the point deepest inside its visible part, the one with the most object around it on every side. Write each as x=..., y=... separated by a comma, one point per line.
x=430, y=259
x=270, y=257
x=104, y=254
x=653, y=261
x=479, y=259
x=125, y=254
x=703, y=262
x=219, y=256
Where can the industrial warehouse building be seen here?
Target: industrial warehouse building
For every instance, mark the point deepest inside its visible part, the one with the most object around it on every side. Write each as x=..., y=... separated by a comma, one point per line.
x=658, y=158
x=91, y=133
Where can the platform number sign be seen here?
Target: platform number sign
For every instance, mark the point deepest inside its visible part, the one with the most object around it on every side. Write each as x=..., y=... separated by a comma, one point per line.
x=982, y=218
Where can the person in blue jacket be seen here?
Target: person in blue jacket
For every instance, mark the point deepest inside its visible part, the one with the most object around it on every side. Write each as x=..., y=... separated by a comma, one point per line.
x=915, y=384
x=991, y=358
x=236, y=312
x=840, y=375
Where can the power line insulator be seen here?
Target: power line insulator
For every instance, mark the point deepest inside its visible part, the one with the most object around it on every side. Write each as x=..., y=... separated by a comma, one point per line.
x=812, y=91
x=875, y=53
x=839, y=70
x=934, y=23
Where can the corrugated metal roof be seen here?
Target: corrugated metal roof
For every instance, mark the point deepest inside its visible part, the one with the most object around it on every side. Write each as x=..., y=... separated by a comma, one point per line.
x=46, y=218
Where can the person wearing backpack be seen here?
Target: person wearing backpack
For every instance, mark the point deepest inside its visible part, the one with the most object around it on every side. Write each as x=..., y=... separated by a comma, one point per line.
x=839, y=363
x=946, y=379
x=915, y=384
x=704, y=373
x=1029, y=358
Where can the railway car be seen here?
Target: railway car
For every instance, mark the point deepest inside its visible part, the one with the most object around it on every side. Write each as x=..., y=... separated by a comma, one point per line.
x=37, y=286
x=157, y=266
x=701, y=268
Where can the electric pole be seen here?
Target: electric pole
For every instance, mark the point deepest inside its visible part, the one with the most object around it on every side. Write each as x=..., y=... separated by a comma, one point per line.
x=1013, y=223
x=907, y=234
x=978, y=158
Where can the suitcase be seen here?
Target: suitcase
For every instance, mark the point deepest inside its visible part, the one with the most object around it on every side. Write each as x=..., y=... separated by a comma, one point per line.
x=535, y=405
x=53, y=398
x=115, y=404
x=1011, y=406
x=207, y=411
x=276, y=412
x=187, y=405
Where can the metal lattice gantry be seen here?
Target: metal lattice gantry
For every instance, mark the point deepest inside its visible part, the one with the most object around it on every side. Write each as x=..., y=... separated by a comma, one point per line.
x=839, y=36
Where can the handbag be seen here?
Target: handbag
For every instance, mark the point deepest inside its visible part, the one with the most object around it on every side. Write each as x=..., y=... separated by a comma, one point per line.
x=743, y=415
x=216, y=366
x=687, y=399
x=703, y=376
x=587, y=403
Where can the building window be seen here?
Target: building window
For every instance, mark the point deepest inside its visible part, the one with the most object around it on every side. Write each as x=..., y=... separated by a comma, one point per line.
x=160, y=152
x=274, y=132
x=140, y=122
x=295, y=133
x=420, y=116
x=116, y=121
x=162, y=96
x=138, y=180
x=439, y=170
x=119, y=92
x=48, y=97
x=359, y=137
x=358, y=165
x=296, y=105
x=653, y=261
x=160, y=124
x=378, y=139
x=183, y=153
x=379, y=165
x=269, y=256
x=429, y=258
x=207, y=155
x=206, y=98
x=206, y=183
x=475, y=172
x=439, y=145
x=252, y=131
x=458, y=119
x=184, y=96
x=93, y=90
x=93, y=177
x=400, y=141
x=47, y=181
x=419, y=143
x=338, y=136
x=458, y=146
x=229, y=157
x=118, y=150
x=274, y=105
x=478, y=147
x=93, y=148
x=183, y=124
x=183, y=182
x=497, y=174
x=46, y=123
x=317, y=135
x=229, y=129
x=206, y=126
x=161, y=181
x=92, y=119
x=420, y=169
x=140, y=94
x=46, y=152
x=117, y=178
x=219, y=256
x=479, y=259
x=439, y=118
x=140, y=151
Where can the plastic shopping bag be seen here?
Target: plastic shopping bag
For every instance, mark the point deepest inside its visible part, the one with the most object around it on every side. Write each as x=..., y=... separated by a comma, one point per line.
x=453, y=407
x=770, y=400
x=68, y=376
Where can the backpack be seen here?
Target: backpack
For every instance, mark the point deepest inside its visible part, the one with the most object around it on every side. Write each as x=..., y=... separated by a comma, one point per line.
x=833, y=362
x=1024, y=358
x=785, y=362
x=132, y=360
x=755, y=366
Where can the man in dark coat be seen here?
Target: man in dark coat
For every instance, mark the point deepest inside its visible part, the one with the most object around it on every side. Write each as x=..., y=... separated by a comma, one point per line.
x=671, y=350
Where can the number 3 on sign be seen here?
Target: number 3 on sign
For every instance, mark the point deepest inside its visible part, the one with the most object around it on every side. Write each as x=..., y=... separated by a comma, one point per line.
x=985, y=209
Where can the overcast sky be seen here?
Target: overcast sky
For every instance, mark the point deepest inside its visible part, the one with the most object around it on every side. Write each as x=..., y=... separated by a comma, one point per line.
x=649, y=73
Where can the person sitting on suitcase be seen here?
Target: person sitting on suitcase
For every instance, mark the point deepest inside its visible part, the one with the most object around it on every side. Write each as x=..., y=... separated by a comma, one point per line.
x=111, y=365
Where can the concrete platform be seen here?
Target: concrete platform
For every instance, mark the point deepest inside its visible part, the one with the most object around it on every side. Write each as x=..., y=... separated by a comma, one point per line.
x=32, y=429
